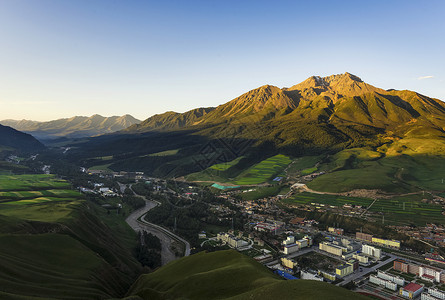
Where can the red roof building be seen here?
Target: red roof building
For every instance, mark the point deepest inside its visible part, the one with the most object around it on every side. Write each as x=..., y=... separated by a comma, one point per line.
x=411, y=291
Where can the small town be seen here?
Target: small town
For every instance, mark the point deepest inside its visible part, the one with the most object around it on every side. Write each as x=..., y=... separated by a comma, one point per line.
x=297, y=248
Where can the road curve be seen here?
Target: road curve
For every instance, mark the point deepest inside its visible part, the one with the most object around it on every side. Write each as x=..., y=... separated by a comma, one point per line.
x=167, y=237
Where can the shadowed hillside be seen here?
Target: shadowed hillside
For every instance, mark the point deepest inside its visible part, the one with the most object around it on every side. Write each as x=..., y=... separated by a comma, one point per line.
x=13, y=139
x=228, y=275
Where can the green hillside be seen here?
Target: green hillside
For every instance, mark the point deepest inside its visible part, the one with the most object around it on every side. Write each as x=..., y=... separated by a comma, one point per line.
x=54, y=244
x=228, y=275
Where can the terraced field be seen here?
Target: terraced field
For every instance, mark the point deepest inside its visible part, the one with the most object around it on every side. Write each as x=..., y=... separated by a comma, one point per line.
x=264, y=171
x=308, y=198
x=261, y=172
x=411, y=209
x=36, y=197
x=31, y=182
x=350, y=170
x=54, y=244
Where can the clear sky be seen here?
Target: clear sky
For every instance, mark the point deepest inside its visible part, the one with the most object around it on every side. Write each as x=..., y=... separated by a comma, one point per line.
x=61, y=58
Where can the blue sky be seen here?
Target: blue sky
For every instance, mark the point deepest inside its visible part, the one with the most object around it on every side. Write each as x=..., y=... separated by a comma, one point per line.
x=65, y=58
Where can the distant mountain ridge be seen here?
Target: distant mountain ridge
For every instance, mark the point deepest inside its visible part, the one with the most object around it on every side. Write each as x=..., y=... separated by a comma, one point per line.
x=75, y=127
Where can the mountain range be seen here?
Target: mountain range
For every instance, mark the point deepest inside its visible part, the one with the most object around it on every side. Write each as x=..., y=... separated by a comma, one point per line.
x=343, y=104
x=75, y=127
x=321, y=115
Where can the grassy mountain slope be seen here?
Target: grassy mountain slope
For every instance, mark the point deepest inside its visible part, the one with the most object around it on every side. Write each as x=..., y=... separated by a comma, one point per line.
x=58, y=248
x=74, y=127
x=170, y=120
x=322, y=115
x=227, y=274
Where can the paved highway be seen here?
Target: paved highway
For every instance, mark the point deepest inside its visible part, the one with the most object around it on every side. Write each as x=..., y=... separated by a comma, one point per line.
x=366, y=271
x=167, y=237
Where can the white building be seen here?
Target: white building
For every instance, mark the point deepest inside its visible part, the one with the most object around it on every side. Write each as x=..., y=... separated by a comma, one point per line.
x=426, y=296
x=231, y=240
x=393, y=278
x=289, y=240
x=430, y=273
x=104, y=189
x=331, y=248
x=288, y=249
x=433, y=294
x=362, y=259
x=383, y=283
x=371, y=251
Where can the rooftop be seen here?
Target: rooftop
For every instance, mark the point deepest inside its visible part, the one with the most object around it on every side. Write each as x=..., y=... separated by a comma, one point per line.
x=413, y=287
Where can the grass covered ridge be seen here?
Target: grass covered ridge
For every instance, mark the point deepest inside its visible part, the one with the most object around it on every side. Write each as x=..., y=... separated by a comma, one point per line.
x=228, y=274
x=56, y=246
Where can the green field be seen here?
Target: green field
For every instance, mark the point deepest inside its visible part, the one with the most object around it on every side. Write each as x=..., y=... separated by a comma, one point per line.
x=308, y=198
x=165, y=153
x=354, y=169
x=414, y=211
x=226, y=165
x=309, y=171
x=228, y=274
x=302, y=163
x=36, y=197
x=54, y=246
x=32, y=182
x=104, y=167
x=261, y=192
x=263, y=171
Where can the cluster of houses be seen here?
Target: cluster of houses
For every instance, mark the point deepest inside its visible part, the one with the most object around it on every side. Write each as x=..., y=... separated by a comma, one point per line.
x=425, y=272
x=411, y=290
x=99, y=188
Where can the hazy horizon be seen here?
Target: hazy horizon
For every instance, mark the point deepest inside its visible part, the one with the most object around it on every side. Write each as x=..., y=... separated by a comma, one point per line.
x=61, y=59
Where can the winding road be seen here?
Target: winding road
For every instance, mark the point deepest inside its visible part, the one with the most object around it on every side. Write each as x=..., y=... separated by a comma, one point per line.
x=138, y=223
